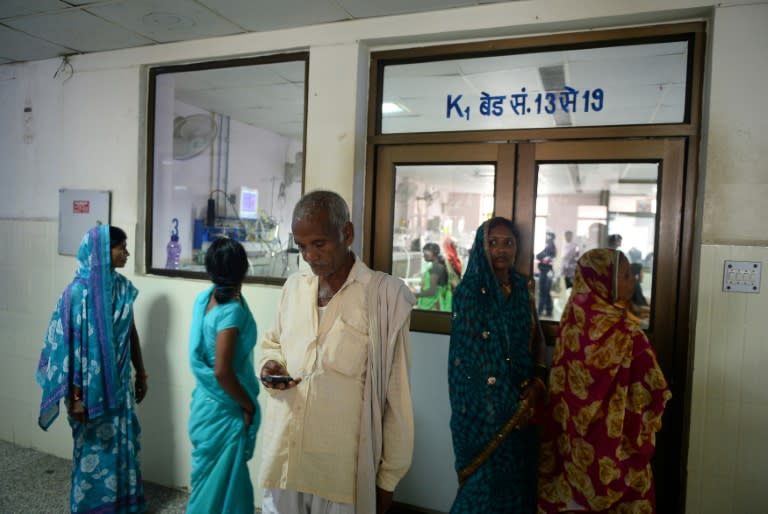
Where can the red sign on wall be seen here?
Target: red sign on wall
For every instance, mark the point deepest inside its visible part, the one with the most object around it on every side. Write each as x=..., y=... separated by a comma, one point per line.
x=81, y=206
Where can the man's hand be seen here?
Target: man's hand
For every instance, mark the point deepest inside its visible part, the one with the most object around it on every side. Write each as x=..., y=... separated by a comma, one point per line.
x=383, y=500
x=275, y=368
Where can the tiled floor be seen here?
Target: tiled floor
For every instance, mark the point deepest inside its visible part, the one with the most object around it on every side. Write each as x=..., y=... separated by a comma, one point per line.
x=32, y=482
x=36, y=483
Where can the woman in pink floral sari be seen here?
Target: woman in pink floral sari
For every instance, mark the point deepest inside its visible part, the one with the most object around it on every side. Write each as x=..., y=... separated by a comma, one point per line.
x=607, y=398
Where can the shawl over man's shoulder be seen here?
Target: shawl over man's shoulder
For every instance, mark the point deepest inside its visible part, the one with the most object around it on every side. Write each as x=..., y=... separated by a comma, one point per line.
x=390, y=303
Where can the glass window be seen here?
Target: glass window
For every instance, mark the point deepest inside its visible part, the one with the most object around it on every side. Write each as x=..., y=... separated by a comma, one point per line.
x=564, y=88
x=227, y=146
x=580, y=206
x=436, y=212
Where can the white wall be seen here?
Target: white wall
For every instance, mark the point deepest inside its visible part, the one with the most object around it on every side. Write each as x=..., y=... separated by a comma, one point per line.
x=89, y=133
x=728, y=456
x=728, y=450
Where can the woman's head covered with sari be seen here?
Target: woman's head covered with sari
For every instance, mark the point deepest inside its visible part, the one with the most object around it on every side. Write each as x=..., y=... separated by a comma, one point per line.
x=489, y=362
x=87, y=340
x=607, y=396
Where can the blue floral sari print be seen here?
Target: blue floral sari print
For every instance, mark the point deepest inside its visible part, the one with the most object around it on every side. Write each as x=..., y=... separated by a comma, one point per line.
x=88, y=345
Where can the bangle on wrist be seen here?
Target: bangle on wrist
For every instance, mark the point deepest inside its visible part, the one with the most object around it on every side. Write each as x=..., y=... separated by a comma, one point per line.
x=532, y=380
x=541, y=371
x=540, y=381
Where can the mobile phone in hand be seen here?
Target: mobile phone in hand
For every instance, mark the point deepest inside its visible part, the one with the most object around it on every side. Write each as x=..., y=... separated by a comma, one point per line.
x=276, y=379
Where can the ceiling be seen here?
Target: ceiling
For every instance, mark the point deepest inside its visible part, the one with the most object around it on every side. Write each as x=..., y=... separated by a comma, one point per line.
x=42, y=29
x=271, y=96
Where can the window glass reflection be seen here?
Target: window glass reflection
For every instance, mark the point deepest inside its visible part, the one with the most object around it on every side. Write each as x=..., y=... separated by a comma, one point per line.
x=437, y=210
x=227, y=161
x=563, y=88
x=580, y=206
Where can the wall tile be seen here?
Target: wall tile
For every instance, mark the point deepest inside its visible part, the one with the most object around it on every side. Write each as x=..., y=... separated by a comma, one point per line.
x=693, y=493
x=719, y=444
x=729, y=411
x=717, y=496
x=7, y=286
x=754, y=376
x=57, y=440
x=752, y=457
x=6, y=231
x=19, y=377
x=165, y=448
x=750, y=495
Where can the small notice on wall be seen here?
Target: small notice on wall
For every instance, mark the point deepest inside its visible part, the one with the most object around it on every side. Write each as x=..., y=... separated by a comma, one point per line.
x=80, y=210
x=81, y=206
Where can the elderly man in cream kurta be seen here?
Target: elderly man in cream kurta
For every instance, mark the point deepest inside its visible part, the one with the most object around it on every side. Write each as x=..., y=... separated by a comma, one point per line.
x=337, y=437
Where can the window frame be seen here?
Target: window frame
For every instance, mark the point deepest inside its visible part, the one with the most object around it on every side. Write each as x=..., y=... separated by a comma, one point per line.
x=693, y=33
x=676, y=352
x=152, y=73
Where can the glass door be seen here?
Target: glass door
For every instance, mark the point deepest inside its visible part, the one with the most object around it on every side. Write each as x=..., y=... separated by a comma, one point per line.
x=437, y=197
x=627, y=194
x=565, y=197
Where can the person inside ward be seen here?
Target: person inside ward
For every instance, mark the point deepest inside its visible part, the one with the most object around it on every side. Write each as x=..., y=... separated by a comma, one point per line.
x=435, y=292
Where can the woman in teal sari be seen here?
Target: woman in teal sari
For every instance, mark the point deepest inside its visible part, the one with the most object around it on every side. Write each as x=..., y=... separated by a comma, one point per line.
x=495, y=351
x=224, y=413
x=86, y=361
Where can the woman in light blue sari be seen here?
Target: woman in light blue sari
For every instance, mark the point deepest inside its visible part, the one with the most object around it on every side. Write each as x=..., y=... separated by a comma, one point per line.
x=85, y=361
x=224, y=413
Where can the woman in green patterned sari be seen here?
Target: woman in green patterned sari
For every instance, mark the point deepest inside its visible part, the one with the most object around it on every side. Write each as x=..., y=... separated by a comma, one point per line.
x=435, y=293
x=495, y=352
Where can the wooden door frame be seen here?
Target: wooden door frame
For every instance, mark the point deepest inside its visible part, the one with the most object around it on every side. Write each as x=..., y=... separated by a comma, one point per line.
x=671, y=274
x=678, y=420
x=501, y=155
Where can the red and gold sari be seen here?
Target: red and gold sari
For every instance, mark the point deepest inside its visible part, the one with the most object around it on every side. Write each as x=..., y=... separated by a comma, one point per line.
x=607, y=396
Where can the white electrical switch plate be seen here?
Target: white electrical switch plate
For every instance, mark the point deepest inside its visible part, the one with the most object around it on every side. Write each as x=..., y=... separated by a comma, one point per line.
x=741, y=276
